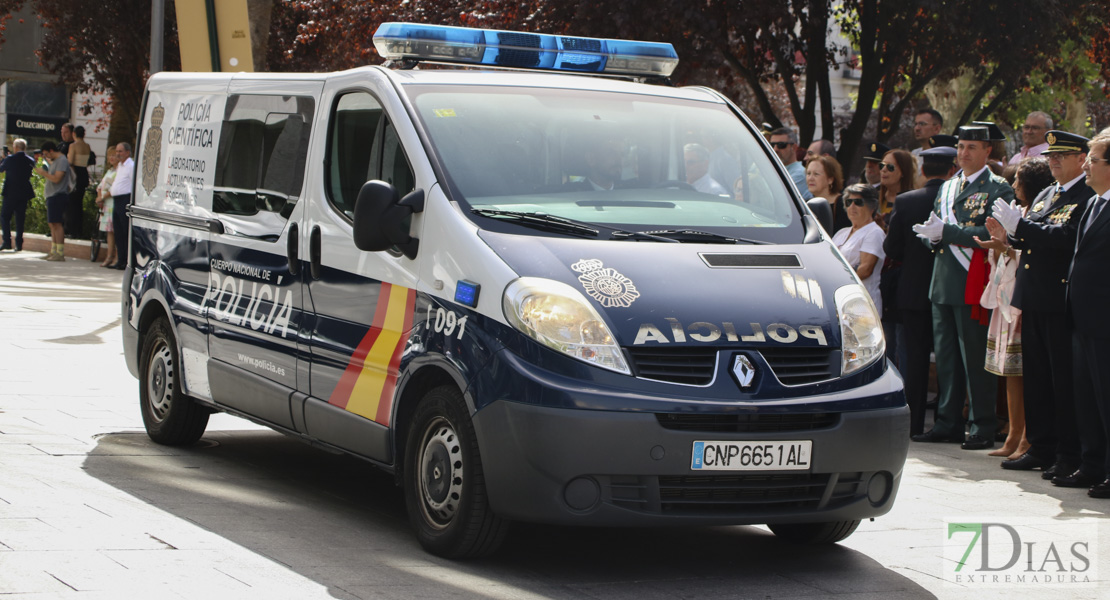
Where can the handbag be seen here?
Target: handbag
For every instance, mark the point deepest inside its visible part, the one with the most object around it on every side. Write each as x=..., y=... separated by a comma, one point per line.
x=94, y=247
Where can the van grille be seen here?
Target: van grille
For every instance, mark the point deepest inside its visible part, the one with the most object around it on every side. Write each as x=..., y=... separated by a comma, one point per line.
x=691, y=366
x=799, y=366
x=743, y=495
x=748, y=423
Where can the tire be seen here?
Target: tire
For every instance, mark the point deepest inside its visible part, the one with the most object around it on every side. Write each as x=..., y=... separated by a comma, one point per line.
x=445, y=491
x=815, y=533
x=171, y=418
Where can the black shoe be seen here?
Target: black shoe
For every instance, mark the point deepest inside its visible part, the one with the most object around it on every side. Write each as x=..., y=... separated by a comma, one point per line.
x=1027, y=462
x=1100, y=490
x=933, y=436
x=6, y=247
x=119, y=266
x=977, y=442
x=1078, y=479
x=1060, y=469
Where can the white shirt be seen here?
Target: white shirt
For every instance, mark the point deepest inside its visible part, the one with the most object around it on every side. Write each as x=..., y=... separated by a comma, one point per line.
x=125, y=172
x=869, y=239
x=708, y=185
x=971, y=178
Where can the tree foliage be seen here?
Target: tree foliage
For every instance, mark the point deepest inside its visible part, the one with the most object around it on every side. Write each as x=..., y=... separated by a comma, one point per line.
x=105, y=49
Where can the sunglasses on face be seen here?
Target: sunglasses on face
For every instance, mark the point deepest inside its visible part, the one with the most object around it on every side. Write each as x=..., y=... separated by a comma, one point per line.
x=781, y=145
x=886, y=167
x=854, y=202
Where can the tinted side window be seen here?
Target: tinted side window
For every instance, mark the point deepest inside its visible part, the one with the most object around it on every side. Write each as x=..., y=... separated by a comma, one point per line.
x=351, y=134
x=260, y=162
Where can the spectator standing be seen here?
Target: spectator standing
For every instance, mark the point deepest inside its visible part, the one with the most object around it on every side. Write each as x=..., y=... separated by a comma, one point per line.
x=121, y=199
x=785, y=143
x=104, y=201
x=17, y=192
x=897, y=171
x=67, y=139
x=959, y=277
x=1006, y=354
x=915, y=311
x=57, y=193
x=1033, y=131
x=820, y=148
x=1047, y=235
x=861, y=243
x=926, y=123
x=78, y=156
x=825, y=179
x=1088, y=297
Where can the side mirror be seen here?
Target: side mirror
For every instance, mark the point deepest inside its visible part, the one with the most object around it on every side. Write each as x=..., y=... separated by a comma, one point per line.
x=382, y=221
x=822, y=211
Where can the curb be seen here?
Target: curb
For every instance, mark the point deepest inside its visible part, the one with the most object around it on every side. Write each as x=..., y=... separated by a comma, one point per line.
x=77, y=249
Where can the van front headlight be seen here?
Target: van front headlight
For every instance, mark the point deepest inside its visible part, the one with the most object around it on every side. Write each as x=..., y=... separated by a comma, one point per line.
x=861, y=329
x=559, y=317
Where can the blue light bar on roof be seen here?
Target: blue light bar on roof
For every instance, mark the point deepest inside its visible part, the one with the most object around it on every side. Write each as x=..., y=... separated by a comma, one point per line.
x=513, y=49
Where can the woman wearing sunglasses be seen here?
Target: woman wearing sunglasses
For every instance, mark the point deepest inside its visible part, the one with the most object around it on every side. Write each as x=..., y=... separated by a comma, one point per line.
x=861, y=243
x=896, y=175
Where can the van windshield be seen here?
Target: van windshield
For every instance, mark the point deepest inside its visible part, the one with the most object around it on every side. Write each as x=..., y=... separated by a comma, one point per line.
x=618, y=161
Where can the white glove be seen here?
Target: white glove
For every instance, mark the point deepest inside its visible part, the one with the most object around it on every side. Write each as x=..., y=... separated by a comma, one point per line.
x=1007, y=214
x=931, y=230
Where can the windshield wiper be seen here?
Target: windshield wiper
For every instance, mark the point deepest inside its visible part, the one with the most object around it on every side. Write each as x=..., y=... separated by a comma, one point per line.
x=691, y=235
x=540, y=221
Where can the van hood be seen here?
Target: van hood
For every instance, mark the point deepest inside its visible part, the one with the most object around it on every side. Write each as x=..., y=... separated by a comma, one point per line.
x=654, y=294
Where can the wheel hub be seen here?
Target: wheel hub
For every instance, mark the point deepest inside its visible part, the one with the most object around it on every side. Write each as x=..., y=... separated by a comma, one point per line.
x=441, y=473
x=160, y=382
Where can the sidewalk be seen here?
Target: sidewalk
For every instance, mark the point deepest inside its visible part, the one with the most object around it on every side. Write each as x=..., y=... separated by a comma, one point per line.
x=90, y=508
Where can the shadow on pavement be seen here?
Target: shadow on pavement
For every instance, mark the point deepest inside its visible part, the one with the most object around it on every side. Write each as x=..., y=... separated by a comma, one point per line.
x=342, y=523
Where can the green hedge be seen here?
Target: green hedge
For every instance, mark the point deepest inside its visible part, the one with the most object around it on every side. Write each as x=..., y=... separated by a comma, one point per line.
x=36, y=210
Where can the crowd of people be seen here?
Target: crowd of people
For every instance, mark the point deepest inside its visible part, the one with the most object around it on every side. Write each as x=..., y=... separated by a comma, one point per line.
x=991, y=267
x=64, y=169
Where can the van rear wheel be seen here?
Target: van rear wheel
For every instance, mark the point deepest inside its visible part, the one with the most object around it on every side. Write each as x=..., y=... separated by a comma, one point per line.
x=170, y=417
x=814, y=533
x=445, y=491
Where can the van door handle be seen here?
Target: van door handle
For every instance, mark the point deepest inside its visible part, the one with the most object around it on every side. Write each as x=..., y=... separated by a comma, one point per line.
x=314, y=252
x=292, y=250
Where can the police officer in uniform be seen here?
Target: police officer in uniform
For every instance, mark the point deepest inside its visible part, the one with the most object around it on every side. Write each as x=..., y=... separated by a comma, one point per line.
x=959, y=276
x=1046, y=236
x=914, y=307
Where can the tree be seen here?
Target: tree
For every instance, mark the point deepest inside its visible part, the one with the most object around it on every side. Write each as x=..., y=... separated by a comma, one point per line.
x=103, y=50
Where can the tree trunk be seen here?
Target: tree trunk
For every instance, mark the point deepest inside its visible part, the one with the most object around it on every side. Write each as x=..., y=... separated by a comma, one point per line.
x=259, y=12
x=121, y=126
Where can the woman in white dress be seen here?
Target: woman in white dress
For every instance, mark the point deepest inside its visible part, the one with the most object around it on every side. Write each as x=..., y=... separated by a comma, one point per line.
x=862, y=242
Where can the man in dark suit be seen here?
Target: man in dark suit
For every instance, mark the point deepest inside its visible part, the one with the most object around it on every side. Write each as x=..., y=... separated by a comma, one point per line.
x=1088, y=297
x=959, y=276
x=914, y=307
x=17, y=193
x=1046, y=238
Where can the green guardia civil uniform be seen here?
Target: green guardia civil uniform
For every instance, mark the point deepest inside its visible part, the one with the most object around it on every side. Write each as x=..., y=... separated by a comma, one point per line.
x=959, y=339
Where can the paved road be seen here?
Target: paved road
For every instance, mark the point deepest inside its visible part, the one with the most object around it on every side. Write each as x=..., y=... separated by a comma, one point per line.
x=90, y=508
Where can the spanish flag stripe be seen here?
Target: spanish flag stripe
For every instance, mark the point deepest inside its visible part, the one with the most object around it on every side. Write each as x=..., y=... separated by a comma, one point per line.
x=342, y=392
x=368, y=389
x=385, y=404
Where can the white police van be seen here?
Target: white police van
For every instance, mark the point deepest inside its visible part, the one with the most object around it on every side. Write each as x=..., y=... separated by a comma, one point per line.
x=530, y=295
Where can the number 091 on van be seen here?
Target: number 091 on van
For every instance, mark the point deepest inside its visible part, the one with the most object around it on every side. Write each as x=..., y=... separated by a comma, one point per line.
x=536, y=286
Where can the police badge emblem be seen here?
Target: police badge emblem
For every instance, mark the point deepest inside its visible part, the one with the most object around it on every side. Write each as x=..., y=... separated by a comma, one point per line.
x=152, y=149
x=605, y=284
x=1038, y=206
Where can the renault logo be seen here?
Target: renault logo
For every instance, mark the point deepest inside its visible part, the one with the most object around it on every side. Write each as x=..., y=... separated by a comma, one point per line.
x=744, y=370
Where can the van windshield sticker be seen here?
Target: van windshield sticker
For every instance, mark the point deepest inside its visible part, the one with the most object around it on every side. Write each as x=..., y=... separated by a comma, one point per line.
x=178, y=150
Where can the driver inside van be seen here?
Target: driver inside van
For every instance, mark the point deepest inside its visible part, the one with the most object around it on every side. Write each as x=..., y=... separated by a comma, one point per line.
x=604, y=165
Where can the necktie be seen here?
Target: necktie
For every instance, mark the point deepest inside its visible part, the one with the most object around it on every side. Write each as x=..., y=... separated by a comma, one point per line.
x=1099, y=204
x=1055, y=197
x=963, y=184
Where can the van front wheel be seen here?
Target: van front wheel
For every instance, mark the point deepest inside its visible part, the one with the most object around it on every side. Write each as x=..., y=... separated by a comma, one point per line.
x=170, y=417
x=445, y=491
x=814, y=533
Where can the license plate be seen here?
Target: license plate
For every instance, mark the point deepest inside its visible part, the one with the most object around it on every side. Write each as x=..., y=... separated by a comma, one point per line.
x=752, y=456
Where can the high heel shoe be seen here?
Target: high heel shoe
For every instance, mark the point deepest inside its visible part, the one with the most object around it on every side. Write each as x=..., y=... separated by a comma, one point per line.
x=1006, y=450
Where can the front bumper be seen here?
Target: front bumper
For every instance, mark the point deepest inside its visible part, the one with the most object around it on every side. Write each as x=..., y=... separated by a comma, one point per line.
x=614, y=468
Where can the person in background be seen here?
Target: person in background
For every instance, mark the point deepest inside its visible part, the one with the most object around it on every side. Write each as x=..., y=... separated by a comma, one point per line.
x=697, y=171
x=785, y=143
x=104, y=201
x=1032, y=136
x=820, y=148
x=897, y=172
x=1088, y=297
x=871, y=159
x=926, y=123
x=78, y=156
x=17, y=192
x=57, y=193
x=67, y=139
x=121, y=199
x=915, y=311
x=825, y=179
x=1046, y=235
x=959, y=276
x=861, y=243
x=1005, y=355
